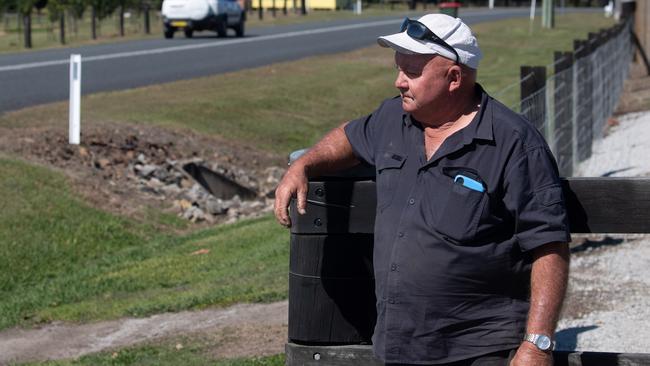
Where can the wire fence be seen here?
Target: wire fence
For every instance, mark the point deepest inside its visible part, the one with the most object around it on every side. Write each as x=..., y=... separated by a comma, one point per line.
x=572, y=105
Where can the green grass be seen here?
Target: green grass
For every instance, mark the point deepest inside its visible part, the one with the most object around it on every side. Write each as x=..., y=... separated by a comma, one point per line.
x=508, y=44
x=289, y=105
x=192, y=354
x=281, y=107
x=63, y=260
x=45, y=34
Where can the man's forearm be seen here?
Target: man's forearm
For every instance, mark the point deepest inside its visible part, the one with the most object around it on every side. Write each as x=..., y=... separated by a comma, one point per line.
x=548, y=285
x=333, y=152
x=549, y=278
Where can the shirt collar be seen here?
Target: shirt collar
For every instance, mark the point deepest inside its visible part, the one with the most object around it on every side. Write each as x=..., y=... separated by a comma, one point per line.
x=481, y=125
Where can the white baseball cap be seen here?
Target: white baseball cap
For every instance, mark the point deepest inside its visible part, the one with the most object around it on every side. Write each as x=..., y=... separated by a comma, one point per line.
x=451, y=30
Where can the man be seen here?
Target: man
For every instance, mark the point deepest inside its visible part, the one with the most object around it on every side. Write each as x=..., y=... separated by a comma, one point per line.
x=471, y=255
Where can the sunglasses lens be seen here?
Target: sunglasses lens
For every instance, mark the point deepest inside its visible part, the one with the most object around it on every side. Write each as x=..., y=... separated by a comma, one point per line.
x=416, y=31
x=404, y=25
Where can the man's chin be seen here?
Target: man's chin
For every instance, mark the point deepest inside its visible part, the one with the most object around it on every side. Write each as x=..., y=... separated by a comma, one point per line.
x=408, y=105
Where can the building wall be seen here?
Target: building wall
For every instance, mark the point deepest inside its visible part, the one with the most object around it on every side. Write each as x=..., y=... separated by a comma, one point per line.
x=311, y=4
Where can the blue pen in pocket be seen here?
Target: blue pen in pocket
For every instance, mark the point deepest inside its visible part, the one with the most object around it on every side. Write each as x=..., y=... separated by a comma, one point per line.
x=468, y=182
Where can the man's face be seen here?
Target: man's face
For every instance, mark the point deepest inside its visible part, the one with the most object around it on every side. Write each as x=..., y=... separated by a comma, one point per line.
x=421, y=80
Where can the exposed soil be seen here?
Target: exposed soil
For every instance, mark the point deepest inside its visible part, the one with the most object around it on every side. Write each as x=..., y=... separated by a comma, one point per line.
x=239, y=331
x=101, y=168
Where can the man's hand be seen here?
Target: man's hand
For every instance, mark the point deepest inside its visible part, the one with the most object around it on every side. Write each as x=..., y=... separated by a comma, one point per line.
x=529, y=355
x=331, y=154
x=293, y=184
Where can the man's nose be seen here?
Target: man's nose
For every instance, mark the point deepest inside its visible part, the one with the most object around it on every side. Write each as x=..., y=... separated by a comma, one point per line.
x=400, y=80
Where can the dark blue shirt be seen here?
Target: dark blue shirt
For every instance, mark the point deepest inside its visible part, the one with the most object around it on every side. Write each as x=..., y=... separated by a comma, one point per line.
x=452, y=261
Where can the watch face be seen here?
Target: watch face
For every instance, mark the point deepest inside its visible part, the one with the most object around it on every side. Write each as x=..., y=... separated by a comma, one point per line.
x=543, y=343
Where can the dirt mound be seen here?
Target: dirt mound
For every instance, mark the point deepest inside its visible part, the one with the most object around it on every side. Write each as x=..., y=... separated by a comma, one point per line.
x=129, y=169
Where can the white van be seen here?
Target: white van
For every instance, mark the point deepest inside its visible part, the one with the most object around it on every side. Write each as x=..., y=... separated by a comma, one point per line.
x=197, y=15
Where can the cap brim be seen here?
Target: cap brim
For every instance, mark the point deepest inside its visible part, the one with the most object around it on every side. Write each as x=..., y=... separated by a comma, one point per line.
x=403, y=43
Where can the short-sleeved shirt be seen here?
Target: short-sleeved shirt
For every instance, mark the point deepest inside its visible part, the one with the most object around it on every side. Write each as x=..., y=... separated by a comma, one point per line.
x=452, y=256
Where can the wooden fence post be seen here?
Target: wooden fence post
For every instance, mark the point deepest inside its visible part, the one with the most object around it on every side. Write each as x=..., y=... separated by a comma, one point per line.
x=563, y=102
x=582, y=96
x=533, y=82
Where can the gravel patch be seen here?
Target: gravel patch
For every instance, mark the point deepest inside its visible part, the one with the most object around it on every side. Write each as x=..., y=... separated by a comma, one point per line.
x=608, y=301
x=623, y=152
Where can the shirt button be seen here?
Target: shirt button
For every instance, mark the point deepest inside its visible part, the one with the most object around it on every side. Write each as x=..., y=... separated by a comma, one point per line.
x=393, y=267
x=411, y=201
x=400, y=234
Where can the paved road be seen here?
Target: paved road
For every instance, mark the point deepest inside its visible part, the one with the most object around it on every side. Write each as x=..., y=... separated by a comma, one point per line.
x=33, y=78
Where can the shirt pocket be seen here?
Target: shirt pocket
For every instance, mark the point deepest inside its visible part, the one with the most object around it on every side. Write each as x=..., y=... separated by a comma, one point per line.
x=550, y=196
x=389, y=167
x=461, y=210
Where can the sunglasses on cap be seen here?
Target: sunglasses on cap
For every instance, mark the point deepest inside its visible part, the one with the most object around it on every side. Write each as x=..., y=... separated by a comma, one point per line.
x=419, y=31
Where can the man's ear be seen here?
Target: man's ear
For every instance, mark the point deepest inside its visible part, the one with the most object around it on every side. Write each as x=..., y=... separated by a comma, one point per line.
x=454, y=77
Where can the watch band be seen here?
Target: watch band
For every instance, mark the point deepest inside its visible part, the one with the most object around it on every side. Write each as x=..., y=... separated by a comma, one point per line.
x=541, y=341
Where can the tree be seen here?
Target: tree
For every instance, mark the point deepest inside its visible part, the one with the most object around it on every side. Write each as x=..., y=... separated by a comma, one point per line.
x=56, y=10
x=100, y=9
x=413, y=4
x=77, y=9
x=122, y=5
x=24, y=8
x=145, y=6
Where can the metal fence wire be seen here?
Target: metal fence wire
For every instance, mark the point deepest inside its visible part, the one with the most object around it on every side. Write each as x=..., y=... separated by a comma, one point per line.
x=572, y=106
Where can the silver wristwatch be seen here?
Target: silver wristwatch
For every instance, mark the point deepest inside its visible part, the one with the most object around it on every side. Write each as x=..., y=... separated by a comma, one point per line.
x=541, y=341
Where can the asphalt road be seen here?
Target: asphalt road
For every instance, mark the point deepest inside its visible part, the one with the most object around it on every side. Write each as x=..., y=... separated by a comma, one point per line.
x=32, y=78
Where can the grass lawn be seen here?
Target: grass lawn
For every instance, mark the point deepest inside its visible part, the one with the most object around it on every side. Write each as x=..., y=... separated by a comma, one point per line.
x=506, y=51
x=46, y=34
x=192, y=354
x=288, y=106
x=63, y=260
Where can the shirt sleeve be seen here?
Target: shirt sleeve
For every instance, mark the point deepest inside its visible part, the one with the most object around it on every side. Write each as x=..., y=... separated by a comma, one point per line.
x=362, y=135
x=533, y=195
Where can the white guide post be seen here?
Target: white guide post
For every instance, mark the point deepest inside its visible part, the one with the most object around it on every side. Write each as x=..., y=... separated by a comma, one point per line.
x=532, y=9
x=357, y=10
x=74, y=135
x=491, y=4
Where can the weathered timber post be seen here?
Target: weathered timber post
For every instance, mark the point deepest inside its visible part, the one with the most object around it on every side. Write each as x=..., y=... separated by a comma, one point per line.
x=563, y=102
x=533, y=98
x=331, y=281
x=584, y=117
